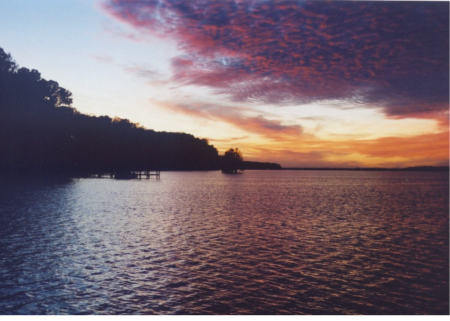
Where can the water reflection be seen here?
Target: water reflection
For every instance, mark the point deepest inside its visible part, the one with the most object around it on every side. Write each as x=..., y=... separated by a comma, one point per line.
x=203, y=242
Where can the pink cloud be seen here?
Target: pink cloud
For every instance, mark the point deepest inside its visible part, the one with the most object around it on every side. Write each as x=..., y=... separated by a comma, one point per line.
x=393, y=55
x=268, y=128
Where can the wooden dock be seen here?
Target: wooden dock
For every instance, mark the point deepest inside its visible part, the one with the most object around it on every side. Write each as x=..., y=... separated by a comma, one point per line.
x=148, y=174
x=130, y=174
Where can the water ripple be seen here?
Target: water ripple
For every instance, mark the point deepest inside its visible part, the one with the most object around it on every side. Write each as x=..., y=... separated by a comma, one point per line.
x=206, y=243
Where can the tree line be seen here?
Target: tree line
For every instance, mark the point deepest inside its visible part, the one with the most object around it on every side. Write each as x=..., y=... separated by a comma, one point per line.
x=40, y=131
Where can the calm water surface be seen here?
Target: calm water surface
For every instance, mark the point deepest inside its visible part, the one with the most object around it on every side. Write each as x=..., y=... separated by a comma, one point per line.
x=265, y=242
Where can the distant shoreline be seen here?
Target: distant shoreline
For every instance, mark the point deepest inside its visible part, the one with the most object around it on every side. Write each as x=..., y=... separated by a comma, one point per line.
x=87, y=174
x=418, y=168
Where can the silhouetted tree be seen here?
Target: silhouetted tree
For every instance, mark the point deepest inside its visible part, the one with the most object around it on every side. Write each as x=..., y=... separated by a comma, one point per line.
x=41, y=132
x=232, y=160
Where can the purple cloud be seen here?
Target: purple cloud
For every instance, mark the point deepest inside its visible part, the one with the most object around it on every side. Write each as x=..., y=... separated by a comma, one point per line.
x=390, y=54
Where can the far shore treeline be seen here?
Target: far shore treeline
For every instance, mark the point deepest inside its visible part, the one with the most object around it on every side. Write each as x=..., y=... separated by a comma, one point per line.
x=41, y=132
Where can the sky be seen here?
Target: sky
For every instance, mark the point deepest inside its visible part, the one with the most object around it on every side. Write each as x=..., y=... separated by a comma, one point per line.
x=301, y=83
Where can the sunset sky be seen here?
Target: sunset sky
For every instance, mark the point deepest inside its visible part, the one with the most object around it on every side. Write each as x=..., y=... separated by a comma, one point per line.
x=302, y=83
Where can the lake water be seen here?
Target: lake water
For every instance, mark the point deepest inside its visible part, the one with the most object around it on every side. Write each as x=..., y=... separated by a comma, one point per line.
x=264, y=242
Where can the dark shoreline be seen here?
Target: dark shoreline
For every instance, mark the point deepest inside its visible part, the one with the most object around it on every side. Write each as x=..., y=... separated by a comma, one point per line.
x=103, y=174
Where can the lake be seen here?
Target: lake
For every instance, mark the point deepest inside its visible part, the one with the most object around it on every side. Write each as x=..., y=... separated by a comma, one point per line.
x=264, y=242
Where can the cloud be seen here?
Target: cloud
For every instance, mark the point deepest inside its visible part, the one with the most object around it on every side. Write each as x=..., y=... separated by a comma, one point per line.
x=427, y=149
x=386, y=54
x=422, y=148
x=142, y=72
x=118, y=32
x=290, y=146
x=228, y=140
x=236, y=116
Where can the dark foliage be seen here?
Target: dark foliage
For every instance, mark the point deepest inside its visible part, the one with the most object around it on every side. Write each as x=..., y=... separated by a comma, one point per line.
x=42, y=133
x=232, y=160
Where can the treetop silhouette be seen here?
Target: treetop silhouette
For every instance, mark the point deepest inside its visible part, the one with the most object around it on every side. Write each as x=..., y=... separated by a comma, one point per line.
x=40, y=131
